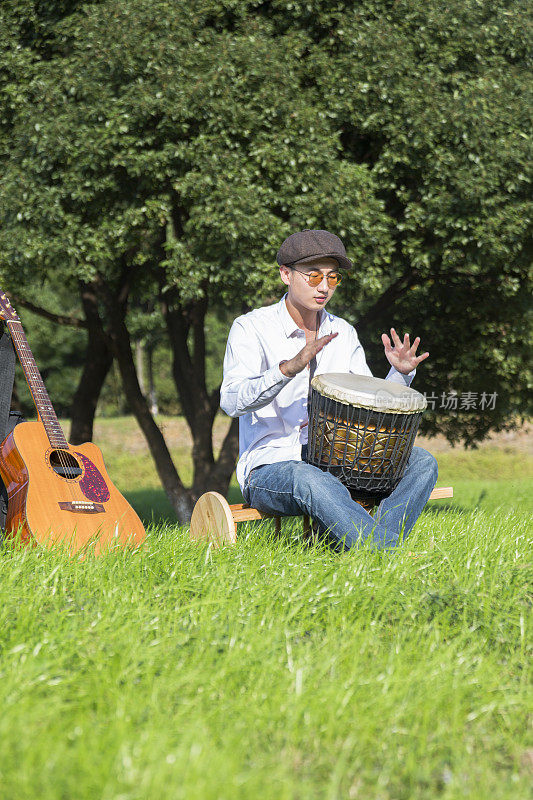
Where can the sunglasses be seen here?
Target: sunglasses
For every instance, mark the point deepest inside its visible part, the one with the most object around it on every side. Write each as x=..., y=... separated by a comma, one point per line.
x=315, y=277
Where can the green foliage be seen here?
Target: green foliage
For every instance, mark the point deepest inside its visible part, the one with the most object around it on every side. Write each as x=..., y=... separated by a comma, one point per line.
x=158, y=121
x=435, y=99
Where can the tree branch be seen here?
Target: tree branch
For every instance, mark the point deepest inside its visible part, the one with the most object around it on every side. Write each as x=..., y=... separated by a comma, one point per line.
x=59, y=319
x=388, y=298
x=97, y=363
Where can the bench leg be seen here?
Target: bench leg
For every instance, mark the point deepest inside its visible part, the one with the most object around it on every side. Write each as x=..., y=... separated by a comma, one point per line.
x=212, y=520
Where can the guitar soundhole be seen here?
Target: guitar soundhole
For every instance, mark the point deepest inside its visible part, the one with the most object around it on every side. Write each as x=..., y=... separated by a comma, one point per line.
x=65, y=465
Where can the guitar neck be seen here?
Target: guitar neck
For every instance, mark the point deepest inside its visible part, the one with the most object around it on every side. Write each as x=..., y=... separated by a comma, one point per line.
x=36, y=385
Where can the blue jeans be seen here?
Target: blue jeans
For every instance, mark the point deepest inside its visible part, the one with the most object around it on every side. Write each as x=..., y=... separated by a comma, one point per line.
x=289, y=488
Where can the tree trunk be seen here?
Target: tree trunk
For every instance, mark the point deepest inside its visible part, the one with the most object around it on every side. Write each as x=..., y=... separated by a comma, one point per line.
x=98, y=360
x=199, y=407
x=221, y=472
x=179, y=497
x=139, y=361
x=152, y=394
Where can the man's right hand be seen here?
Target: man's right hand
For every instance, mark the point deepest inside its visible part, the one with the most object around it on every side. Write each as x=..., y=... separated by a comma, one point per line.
x=301, y=360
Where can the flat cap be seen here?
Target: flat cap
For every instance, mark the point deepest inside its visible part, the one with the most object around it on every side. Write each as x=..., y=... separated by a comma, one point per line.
x=308, y=244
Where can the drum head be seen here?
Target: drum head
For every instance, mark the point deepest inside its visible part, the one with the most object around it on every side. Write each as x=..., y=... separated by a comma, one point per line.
x=388, y=397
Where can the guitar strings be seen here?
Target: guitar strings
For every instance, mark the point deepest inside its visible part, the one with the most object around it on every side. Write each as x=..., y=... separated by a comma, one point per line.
x=40, y=396
x=35, y=383
x=38, y=387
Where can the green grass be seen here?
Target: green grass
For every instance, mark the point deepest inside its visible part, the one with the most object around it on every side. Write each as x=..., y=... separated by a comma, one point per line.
x=276, y=670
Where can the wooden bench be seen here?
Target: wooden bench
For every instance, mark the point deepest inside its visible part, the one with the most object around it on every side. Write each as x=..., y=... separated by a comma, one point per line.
x=215, y=520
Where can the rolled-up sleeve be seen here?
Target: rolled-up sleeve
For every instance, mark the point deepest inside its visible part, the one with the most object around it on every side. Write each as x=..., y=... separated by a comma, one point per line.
x=399, y=377
x=244, y=386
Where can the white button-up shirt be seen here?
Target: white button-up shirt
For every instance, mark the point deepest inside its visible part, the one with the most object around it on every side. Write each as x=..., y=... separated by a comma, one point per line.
x=272, y=407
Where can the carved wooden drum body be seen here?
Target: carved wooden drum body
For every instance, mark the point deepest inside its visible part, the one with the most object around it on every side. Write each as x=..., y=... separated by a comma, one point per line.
x=362, y=430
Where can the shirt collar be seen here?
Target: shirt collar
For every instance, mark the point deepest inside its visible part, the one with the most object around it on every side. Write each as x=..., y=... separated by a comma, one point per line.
x=289, y=326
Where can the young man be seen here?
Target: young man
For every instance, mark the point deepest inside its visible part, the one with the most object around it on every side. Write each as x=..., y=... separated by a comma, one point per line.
x=271, y=354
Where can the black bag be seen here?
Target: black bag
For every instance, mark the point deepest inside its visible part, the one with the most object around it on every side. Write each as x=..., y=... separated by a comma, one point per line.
x=8, y=418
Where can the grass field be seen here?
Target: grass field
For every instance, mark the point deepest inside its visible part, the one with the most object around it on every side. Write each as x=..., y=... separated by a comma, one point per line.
x=273, y=669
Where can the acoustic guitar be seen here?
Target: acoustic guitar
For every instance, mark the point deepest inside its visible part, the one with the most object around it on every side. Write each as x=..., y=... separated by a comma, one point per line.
x=58, y=492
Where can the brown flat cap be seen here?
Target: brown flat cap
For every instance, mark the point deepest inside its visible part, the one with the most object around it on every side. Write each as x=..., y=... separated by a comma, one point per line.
x=308, y=244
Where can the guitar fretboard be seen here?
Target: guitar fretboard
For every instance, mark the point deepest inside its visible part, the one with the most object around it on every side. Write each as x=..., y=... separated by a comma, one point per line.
x=37, y=387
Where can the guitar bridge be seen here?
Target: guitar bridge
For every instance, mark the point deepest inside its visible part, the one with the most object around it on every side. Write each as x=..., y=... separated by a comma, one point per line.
x=81, y=507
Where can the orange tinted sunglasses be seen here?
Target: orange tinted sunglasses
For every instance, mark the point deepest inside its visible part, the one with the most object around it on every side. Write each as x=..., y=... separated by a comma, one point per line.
x=315, y=277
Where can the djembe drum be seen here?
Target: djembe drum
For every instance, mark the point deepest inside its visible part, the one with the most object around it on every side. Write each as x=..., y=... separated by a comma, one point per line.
x=362, y=430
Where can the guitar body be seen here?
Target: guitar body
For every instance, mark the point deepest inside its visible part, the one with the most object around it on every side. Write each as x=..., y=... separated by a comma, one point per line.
x=58, y=494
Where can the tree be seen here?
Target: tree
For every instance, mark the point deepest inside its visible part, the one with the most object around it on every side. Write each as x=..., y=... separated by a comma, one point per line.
x=434, y=100
x=158, y=172
x=26, y=40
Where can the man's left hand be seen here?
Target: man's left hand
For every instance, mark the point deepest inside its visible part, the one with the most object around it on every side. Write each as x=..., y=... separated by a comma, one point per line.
x=402, y=356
